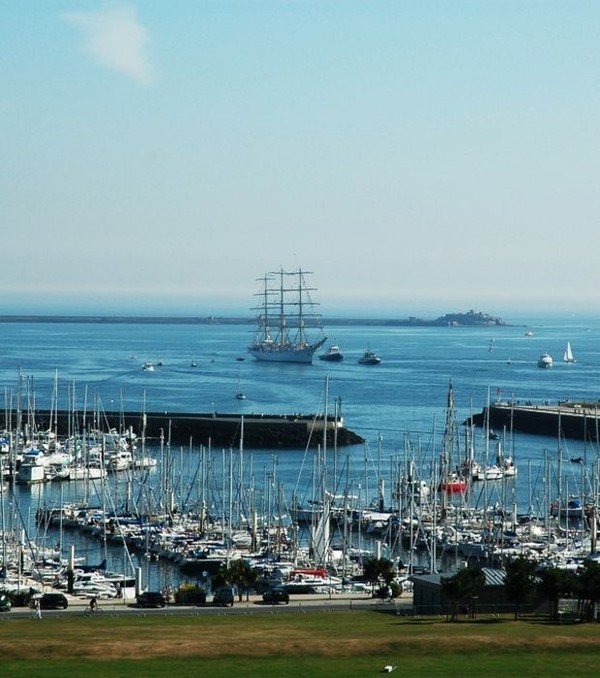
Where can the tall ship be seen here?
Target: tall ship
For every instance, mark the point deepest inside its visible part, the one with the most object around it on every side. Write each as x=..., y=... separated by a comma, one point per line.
x=286, y=316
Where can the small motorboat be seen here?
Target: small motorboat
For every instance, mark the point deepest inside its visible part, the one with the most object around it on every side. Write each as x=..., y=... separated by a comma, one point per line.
x=333, y=355
x=369, y=358
x=545, y=360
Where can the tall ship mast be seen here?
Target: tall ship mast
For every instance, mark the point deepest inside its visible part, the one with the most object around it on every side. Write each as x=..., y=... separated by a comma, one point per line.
x=286, y=315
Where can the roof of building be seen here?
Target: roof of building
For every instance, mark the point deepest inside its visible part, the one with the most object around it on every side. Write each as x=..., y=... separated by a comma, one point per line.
x=492, y=577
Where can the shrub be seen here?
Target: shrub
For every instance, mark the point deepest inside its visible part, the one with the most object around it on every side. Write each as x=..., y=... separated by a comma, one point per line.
x=190, y=594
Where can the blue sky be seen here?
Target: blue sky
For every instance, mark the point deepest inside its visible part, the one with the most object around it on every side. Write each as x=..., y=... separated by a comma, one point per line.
x=418, y=157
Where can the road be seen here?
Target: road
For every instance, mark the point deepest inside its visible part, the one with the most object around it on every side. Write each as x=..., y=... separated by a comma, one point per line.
x=298, y=604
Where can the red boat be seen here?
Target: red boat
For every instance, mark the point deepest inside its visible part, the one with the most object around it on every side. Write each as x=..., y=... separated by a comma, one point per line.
x=453, y=484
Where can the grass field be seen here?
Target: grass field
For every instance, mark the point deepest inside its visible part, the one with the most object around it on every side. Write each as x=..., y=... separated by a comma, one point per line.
x=335, y=643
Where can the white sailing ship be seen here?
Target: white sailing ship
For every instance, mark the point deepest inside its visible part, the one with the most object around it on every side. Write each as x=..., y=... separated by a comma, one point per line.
x=286, y=313
x=568, y=355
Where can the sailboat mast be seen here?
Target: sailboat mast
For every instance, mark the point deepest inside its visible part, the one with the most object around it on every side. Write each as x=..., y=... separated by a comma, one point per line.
x=266, y=310
x=301, y=331
x=282, y=322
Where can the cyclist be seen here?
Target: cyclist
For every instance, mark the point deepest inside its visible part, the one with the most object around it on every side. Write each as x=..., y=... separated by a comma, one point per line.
x=93, y=604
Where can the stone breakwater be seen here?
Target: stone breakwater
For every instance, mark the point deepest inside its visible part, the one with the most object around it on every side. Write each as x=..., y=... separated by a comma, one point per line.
x=260, y=431
x=577, y=420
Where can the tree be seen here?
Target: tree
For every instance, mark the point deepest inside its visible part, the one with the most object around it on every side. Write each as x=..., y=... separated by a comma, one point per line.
x=553, y=585
x=471, y=582
x=243, y=575
x=451, y=591
x=464, y=586
x=588, y=588
x=377, y=569
x=519, y=582
x=220, y=578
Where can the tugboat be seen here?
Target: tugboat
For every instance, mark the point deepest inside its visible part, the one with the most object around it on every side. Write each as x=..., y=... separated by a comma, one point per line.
x=333, y=355
x=369, y=358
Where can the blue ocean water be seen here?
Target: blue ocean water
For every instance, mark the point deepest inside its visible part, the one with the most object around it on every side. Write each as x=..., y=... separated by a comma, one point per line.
x=396, y=405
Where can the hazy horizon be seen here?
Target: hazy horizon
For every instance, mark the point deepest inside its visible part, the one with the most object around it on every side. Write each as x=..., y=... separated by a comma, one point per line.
x=168, y=308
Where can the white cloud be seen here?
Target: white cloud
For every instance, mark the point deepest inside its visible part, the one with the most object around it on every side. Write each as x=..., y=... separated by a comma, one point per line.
x=115, y=38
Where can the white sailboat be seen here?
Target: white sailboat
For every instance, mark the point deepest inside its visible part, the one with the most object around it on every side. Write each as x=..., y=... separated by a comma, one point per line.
x=568, y=356
x=240, y=395
x=285, y=313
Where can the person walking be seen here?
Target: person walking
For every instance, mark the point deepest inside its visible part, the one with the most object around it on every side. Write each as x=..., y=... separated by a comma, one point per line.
x=37, y=609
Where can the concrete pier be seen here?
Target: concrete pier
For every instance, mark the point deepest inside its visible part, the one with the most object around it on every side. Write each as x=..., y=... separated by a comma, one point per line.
x=261, y=431
x=569, y=419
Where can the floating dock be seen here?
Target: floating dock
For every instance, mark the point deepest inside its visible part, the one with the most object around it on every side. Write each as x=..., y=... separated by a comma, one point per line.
x=260, y=431
x=568, y=419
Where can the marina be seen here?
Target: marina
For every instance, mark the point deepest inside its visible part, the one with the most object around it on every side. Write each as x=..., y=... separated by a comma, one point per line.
x=421, y=487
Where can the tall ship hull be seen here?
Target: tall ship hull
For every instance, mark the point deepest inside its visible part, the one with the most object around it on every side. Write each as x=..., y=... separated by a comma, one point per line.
x=285, y=316
x=284, y=355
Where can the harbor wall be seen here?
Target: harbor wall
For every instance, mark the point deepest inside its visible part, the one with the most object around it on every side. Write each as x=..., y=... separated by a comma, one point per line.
x=580, y=421
x=260, y=431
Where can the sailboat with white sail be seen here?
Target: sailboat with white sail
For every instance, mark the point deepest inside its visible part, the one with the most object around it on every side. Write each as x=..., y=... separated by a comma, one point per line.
x=286, y=313
x=568, y=355
x=240, y=395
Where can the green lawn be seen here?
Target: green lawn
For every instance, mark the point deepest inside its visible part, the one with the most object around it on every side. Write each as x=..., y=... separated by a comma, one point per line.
x=336, y=643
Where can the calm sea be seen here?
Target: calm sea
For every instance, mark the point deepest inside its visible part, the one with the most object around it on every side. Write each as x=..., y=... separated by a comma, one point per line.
x=395, y=406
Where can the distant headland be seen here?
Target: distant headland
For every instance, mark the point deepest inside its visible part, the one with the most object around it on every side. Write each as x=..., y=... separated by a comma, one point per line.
x=469, y=319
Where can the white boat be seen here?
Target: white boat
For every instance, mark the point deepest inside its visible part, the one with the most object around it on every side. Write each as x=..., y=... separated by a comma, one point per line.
x=240, y=395
x=503, y=469
x=509, y=468
x=143, y=463
x=285, y=314
x=492, y=472
x=90, y=471
x=33, y=468
x=120, y=461
x=568, y=355
x=38, y=467
x=545, y=360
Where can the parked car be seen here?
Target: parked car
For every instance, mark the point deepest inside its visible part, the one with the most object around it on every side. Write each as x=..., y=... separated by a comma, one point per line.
x=151, y=599
x=224, y=596
x=277, y=595
x=53, y=601
x=5, y=604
